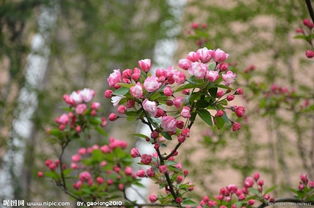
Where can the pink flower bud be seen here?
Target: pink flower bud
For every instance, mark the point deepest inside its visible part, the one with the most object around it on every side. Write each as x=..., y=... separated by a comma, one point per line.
x=108, y=94
x=103, y=164
x=181, y=138
x=186, y=91
x=212, y=76
x=309, y=53
x=121, y=187
x=163, y=168
x=135, y=153
x=76, y=158
x=178, y=165
x=78, y=129
x=239, y=91
x=236, y=126
x=185, y=64
x=193, y=56
x=220, y=93
x=152, y=198
x=105, y=149
x=151, y=84
x=308, y=23
x=100, y=180
x=228, y=77
x=168, y=91
x=63, y=119
x=266, y=196
x=145, y=64
x=140, y=173
x=219, y=55
x=311, y=184
x=150, y=106
x=127, y=73
x=251, y=202
x=239, y=110
x=230, y=97
x=40, y=174
x=130, y=103
x=185, y=113
x=185, y=172
x=179, y=179
x=168, y=123
x=80, y=109
x=179, y=200
x=160, y=112
x=95, y=105
x=256, y=176
x=219, y=113
x=304, y=178
x=121, y=109
x=248, y=182
x=137, y=90
x=112, y=117
x=178, y=101
x=77, y=185
x=204, y=54
x=146, y=159
x=260, y=182
x=85, y=176
x=150, y=172
x=223, y=66
x=241, y=197
x=114, y=78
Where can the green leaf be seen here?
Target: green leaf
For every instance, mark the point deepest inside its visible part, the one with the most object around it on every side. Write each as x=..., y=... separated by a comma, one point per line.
x=188, y=202
x=95, y=120
x=213, y=91
x=219, y=122
x=254, y=191
x=187, y=86
x=139, y=135
x=166, y=135
x=205, y=116
x=126, y=85
x=100, y=130
x=270, y=189
x=55, y=132
x=212, y=66
x=121, y=91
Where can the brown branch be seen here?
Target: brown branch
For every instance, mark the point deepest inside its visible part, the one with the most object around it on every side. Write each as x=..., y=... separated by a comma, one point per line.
x=310, y=8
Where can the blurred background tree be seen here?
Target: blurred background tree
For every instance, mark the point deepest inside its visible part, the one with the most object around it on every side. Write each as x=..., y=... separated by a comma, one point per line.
x=81, y=42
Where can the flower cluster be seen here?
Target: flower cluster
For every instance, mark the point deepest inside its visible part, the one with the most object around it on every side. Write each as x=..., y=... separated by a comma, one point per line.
x=81, y=114
x=307, y=35
x=305, y=189
x=234, y=196
x=96, y=171
x=198, y=32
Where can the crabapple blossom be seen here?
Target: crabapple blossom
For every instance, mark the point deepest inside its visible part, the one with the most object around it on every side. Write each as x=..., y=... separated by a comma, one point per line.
x=309, y=53
x=198, y=69
x=135, y=152
x=184, y=64
x=185, y=113
x=219, y=55
x=137, y=90
x=152, y=198
x=168, y=123
x=204, y=54
x=150, y=106
x=114, y=78
x=212, y=76
x=145, y=64
x=228, y=77
x=151, y=84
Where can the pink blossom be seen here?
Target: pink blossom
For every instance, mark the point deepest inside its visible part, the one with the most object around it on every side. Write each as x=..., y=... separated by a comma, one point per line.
x=204, y=54
x=256, y=176
x=239, y=110
x=63, y=119
x=137, y=90
x=230, y=97
x=236, y=126
x=219, y=113
x=309, y=53
x=168, y=91
x=121, y=109
x=76, y=97
x=198, y=69
x=150, y=106
x=168, y=123
x=95, y=105
x=114, y=78
x=185, y=113
x=105, y=149
x=212, y=76
x=136, y=74
x=77, y=185
x=40, y=174
x=193, y=56
x=85, y=176
x=308, y=23
x=87, y=94
x=82, y=151
x=152, y=198
x=163, y=168
x=151, y=84
x=115, y=143
x=223, y=66
x=219, y=55
x=108, y=93
x=146, y=159
x=239, y=91
x=248, y=182
x=228, y=77
x=184, y=64
x=100, y=180
x=127, y=73
x=145, y=64
x=179, y=179
x=150, y=172
x=135, y=153
x=178, y=101
x=112, y=117
x=74, y=166
x=140, y=173
x=128, y=171
x=178, y=165
x=80, y=109
x=76, y=158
